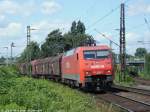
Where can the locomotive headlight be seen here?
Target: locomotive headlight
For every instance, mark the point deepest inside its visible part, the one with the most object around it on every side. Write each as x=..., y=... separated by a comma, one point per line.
x=108, y=71
x=87, y=73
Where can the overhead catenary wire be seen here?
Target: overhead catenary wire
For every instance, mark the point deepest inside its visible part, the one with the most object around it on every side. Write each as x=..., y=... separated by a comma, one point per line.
x=106, y=15
x=93, y=24
x=147, y=23
x=136, y=26
x=82, y=16
x=107, y=37
x=92, y=6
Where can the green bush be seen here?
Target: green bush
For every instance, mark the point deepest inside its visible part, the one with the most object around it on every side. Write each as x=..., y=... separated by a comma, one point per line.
x=147, y=65
x=26, y=93
x=119, y=77
x=12, y=106
x=8, y=72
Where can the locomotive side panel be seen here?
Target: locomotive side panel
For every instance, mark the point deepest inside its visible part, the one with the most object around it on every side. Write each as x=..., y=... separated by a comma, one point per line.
x=70, y=67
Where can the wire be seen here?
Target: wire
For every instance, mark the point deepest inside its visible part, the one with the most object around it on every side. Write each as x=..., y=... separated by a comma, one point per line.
x=136, y=27
x=19, y=54
x=82, y=16
x=106, y=15
x=107, y=37
x=147, y=23
x=92, y=6
x=109, y=13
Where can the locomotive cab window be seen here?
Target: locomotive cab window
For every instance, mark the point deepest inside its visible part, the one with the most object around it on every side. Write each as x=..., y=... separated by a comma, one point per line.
x=96, y=54
x=102, y=54
x=89, y=54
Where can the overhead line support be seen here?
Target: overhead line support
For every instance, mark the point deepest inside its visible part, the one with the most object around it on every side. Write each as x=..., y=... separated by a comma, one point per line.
x=122, y=41
x=28, y=45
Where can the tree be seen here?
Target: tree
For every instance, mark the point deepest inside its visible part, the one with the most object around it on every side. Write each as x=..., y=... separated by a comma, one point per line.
x=140, y=52
x=147, y=64
x=129, y=57
x=32, y=50
x=77, y=36
x=74, y=28
x=54, y=44
x=80, y=28
x=2, y=59
x=57, y=43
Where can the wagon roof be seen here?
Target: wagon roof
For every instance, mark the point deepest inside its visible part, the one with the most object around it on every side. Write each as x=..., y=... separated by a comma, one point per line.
x=45, y=60
x=38, y=61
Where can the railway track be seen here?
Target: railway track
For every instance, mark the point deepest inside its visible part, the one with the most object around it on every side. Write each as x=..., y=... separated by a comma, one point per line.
x=127, y=98
x=125, y=103
x=132, y=89
x=142, y=81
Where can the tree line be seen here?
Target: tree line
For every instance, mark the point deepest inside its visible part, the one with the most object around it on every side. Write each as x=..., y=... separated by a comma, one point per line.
x=57, y=43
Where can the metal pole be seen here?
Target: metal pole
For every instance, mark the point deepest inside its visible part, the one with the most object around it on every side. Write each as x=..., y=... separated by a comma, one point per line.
x=28, y=47
x=7, y=55
x=11, y=52
x=122, y=41
x=110, y=44
x=11, y=46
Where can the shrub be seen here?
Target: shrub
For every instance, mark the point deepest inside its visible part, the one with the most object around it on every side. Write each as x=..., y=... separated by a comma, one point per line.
x=24, y=93
x=147, y=65
x=119, y=78
x=27, y=93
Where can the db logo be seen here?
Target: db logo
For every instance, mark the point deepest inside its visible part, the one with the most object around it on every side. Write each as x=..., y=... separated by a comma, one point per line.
x=67, y=65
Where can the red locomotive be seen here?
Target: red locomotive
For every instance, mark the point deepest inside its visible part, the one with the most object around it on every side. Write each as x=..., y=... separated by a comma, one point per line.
x=90, y=66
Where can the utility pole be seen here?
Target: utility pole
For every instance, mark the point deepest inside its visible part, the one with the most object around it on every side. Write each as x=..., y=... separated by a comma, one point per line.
x=110, y=44
x=122, y=41
x=7, y=54
x=28, y=53
x=11, y=46
x=28, y=35
x=28, y=46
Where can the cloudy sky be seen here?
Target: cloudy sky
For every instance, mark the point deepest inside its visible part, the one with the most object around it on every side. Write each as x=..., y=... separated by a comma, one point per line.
x=47, y=15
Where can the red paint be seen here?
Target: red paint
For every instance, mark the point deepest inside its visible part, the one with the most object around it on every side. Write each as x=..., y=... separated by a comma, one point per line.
x=71, y=65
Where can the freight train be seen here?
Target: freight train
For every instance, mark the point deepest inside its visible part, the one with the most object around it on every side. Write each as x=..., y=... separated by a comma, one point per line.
x=83, y=67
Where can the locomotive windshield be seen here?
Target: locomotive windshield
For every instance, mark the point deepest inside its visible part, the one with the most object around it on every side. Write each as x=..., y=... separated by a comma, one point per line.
x=96, y=54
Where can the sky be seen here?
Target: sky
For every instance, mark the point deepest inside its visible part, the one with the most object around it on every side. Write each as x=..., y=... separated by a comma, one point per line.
x=47, y=15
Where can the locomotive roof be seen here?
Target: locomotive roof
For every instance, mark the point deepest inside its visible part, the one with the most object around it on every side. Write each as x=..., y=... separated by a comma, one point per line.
x=48, y=59
x=100, y=47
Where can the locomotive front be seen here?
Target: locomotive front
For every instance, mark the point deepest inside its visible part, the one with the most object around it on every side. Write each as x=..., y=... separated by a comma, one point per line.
x=97, y=67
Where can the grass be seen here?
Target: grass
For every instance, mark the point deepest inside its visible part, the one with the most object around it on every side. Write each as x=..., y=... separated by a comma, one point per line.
x=24, y=93
x=144, y=75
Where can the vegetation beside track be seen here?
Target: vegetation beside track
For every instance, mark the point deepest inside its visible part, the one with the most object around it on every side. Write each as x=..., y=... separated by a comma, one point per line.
x=119, y=78
x=145, y=74
x=24, y=93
